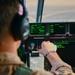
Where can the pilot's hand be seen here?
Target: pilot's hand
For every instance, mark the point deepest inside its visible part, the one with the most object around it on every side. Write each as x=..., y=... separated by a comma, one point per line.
x=47, y=46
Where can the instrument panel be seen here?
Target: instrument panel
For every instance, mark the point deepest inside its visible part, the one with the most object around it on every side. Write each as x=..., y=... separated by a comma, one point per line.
x=55, y=29
x=60, y=33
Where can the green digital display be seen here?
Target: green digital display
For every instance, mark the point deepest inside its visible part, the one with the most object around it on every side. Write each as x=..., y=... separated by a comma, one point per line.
x=57, y=28
x=64, y=43
x=37, y=29
x=61, y=43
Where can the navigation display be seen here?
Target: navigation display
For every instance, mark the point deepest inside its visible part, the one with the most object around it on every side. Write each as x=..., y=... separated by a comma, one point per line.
x=37, y=29
x=57, y=28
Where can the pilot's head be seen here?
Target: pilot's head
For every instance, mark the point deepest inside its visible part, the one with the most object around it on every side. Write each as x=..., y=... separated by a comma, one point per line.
x=13, y=22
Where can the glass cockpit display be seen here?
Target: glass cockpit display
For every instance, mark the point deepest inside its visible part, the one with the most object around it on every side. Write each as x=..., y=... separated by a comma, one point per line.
x=46, y=29
x=37, y=29
x=57, y=28
x=53, y=29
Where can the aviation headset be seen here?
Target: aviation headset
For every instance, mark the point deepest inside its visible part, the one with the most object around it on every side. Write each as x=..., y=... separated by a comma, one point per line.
x=20, y=25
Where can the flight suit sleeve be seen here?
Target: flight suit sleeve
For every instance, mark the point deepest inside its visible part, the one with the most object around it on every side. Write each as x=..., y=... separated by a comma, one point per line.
x=59, y=68
x=62, y=68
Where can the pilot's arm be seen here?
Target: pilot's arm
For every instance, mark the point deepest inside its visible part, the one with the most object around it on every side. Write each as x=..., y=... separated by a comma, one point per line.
x=58, y=66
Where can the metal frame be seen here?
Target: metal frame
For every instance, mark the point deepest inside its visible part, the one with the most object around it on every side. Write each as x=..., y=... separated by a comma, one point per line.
x=39, y=10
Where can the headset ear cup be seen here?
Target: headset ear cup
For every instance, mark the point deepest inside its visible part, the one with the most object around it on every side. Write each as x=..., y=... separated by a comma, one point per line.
x=25, y=28
x=20, y=27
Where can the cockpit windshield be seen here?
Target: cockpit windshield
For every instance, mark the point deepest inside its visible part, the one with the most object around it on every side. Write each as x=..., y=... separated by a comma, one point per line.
x=53, y=10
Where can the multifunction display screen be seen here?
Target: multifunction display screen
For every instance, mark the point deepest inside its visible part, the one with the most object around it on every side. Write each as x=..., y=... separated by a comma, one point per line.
x=57, y=28
x=53, y=29
x=37, y=29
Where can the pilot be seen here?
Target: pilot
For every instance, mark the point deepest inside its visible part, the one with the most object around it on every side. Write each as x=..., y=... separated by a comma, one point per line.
x=11, y=33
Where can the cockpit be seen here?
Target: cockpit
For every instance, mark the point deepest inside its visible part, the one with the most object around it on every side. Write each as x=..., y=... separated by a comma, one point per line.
x=52, y=20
